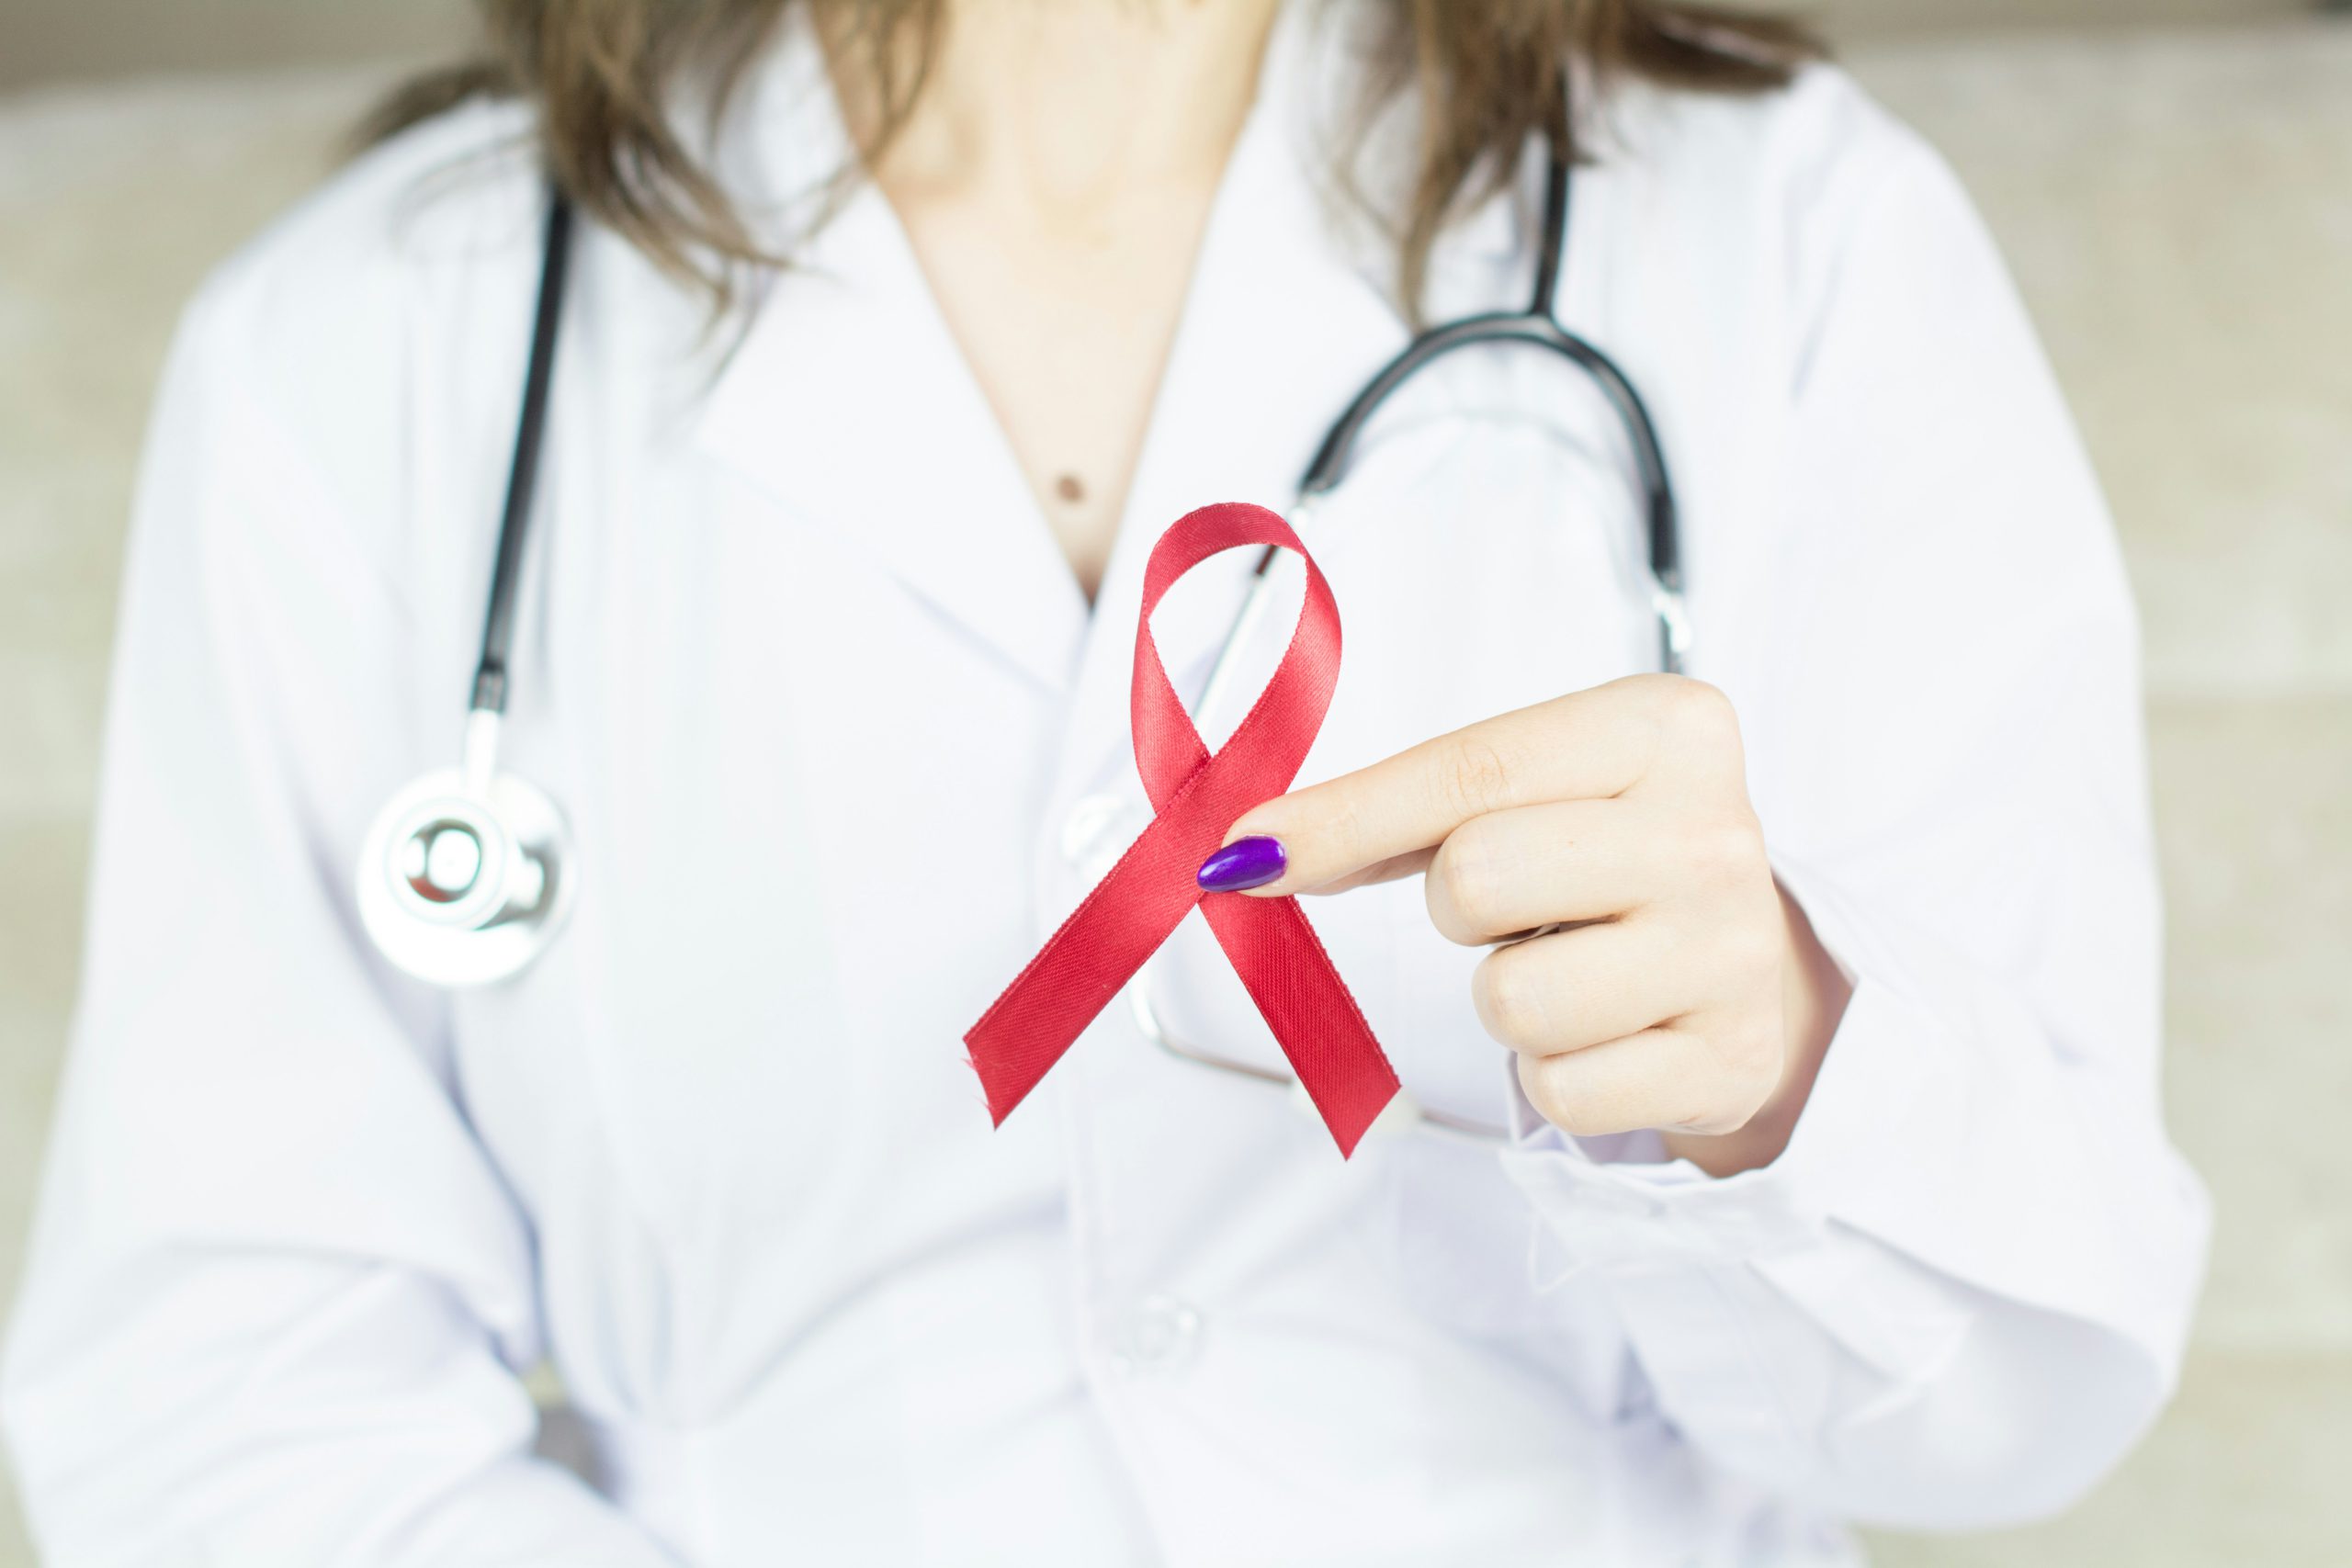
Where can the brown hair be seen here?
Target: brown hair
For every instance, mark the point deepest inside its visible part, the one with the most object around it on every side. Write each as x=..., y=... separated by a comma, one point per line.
x=606, y=75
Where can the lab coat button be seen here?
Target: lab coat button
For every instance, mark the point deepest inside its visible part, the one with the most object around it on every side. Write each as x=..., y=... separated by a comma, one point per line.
x=1162, y=1336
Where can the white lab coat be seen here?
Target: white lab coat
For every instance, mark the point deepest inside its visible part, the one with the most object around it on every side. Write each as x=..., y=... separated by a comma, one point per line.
x=841, y=742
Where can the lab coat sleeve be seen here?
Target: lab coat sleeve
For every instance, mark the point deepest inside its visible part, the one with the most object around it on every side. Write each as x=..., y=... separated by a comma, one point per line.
x=1962, y=1292
x=277, y=1295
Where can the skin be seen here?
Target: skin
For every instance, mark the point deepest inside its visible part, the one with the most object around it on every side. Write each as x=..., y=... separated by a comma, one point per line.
x=1685, y=990
x=1054, y=182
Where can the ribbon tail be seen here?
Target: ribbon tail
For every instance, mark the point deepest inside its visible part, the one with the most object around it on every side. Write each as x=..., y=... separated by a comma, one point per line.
x=1313, y=1014
x=1077, y=973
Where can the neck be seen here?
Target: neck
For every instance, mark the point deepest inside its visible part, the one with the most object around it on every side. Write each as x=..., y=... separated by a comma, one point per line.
x=1067, y=108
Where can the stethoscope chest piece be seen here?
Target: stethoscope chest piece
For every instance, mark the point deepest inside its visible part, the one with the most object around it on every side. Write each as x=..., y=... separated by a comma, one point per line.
x=464, y=887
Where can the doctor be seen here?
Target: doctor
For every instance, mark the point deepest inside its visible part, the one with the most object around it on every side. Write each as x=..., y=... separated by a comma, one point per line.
x=1824, y=1178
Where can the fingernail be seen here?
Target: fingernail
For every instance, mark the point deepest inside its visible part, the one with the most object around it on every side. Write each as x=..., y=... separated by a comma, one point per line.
x=1243, y=864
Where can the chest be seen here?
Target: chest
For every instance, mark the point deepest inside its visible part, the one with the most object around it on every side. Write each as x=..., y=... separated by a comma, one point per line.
x=1064, y=323
x=821, y=823
x=842, y=742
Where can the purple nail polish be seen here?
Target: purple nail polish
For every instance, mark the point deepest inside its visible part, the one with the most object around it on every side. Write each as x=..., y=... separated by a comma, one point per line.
x=1243, y=864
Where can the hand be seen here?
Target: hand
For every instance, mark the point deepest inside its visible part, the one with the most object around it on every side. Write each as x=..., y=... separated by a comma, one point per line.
x=1682, y=990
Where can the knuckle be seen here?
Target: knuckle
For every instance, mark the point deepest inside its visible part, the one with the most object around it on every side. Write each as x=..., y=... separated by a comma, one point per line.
x=1464, y=899
x=1549, y=1083
x=1694, y=717
x=1537, y=1082
x=1509, y=1001
x=1749, y=1057
x=1728, y=848
x=1474, y=780
x=1698, y=704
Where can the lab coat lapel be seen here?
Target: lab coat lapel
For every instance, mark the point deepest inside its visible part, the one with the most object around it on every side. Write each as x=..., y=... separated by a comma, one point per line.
x=848, y=401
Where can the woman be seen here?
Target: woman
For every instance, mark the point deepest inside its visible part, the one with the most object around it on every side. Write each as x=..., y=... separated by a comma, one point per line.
x=1822, y=1175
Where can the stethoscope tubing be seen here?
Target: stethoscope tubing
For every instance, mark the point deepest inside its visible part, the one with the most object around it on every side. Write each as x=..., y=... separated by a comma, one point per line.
x=479, y=785
x=523, y=472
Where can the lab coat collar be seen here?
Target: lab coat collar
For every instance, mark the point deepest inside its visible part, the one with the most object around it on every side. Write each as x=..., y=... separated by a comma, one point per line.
x=1293, y=309
x=848, y=399
x=1287, y=314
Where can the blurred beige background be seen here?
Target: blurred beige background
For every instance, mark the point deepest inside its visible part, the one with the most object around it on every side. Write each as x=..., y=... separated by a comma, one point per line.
x=43, y=41
x=2173, y=180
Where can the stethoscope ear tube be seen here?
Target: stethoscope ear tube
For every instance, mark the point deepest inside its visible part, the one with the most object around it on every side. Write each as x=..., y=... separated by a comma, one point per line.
x=466, y=876
x=523, y=469
x=1538, y=326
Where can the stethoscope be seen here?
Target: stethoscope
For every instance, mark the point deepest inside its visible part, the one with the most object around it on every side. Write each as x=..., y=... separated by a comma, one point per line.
x=466, y=876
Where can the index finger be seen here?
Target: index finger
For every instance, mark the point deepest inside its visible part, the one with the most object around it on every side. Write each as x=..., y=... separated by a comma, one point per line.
x=1382, y=821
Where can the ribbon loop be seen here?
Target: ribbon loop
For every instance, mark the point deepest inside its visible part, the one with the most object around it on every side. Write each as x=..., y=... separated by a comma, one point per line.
x=1197, y=797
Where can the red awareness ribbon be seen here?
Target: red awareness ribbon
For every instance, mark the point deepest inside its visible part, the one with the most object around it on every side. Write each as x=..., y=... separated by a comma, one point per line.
x=1197, y=797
